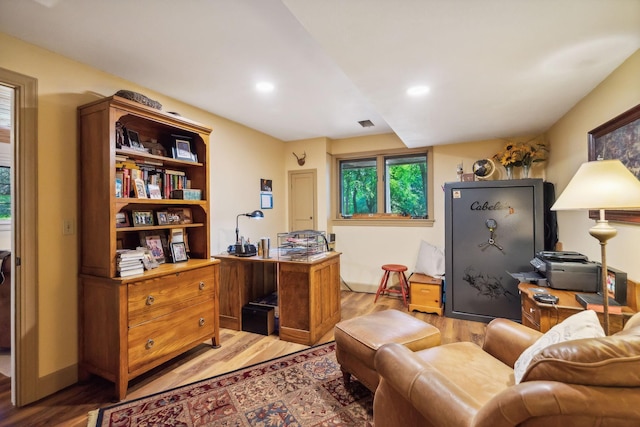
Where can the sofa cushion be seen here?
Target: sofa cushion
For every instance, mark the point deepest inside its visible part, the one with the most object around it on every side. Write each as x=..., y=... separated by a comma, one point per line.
x=430, y=260
x=612, y=361
x=584, y=324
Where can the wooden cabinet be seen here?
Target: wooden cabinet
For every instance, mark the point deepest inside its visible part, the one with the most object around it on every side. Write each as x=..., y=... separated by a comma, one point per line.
x=542, y=317
x=129, y=325
x=425, y=294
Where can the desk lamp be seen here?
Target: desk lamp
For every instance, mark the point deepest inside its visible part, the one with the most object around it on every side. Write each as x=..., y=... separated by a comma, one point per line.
x=601, y=185
x=255, y=214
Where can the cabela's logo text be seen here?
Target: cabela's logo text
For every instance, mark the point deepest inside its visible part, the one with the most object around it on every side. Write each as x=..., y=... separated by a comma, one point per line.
x=486, y=206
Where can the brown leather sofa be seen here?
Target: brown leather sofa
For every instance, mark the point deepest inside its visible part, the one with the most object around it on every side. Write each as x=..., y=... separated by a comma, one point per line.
x=586, y=382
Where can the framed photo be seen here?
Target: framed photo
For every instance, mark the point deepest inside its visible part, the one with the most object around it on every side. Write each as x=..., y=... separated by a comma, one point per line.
x=163, y=218
x=140, y=189
x=184, y=215
x=122, y=220
x=266, y=201
x=154, y=243
x=619, y=138
x=133, y=139
x=142, y=218
x=154, y=191
x=179, y=252
x=181, y=149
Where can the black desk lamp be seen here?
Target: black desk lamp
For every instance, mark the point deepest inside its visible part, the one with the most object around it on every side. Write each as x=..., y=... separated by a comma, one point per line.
x=255, y=214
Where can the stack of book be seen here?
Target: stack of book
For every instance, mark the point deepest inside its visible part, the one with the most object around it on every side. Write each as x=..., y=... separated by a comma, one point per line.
x=129, y=262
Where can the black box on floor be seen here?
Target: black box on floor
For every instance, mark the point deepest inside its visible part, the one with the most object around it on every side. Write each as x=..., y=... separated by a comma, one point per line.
x=258, y=319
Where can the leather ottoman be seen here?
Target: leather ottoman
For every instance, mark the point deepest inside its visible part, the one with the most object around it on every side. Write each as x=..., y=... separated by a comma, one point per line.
x=358, y=339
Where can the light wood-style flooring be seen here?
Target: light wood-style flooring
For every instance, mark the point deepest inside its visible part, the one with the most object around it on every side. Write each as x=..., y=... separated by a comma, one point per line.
x=70, y=406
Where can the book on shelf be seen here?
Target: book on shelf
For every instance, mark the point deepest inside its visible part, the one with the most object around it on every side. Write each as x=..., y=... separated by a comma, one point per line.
x=128, y=273
x=595, y=302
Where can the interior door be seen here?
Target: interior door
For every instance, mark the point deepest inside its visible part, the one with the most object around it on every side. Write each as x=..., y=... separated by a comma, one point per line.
x=302, y=200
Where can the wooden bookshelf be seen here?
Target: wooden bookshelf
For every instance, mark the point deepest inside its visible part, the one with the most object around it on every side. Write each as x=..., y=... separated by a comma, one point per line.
x=129, y=325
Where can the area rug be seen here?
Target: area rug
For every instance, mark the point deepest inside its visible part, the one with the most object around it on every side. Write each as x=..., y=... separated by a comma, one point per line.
x=302, y=389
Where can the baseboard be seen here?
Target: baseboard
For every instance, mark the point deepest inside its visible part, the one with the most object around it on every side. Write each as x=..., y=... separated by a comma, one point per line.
x=358, y=287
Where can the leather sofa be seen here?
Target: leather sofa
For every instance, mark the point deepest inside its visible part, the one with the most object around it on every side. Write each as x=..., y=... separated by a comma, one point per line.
x=585, y=382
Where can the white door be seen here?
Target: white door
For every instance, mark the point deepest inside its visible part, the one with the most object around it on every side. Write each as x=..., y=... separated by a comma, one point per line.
x=302, y=200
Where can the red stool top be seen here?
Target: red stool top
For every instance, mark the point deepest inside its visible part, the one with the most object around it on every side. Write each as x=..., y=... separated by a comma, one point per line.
x=394, y=267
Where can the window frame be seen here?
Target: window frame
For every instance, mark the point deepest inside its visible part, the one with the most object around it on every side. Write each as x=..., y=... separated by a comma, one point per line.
x=375, y=219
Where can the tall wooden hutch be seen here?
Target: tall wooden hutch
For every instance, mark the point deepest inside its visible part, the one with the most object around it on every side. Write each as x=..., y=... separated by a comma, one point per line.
x=128, y=325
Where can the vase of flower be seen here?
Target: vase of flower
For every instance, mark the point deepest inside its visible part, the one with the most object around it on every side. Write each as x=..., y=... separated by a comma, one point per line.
x=525, y=171
x=509, y=169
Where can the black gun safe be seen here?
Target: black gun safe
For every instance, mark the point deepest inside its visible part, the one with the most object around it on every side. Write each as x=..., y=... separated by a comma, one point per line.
x=491, y=228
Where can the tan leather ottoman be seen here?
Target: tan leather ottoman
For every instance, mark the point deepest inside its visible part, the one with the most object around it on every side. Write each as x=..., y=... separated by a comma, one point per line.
x=358, y=339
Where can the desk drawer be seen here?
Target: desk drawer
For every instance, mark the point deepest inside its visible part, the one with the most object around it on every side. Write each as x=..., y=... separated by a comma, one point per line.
x=530, y=313
x=156, y=297
x=172, y=333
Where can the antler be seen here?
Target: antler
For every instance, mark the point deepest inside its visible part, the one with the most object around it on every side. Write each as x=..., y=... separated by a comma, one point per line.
x=301, y=159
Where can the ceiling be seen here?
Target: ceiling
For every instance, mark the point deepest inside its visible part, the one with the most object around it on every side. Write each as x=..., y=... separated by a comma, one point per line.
x=495, y=68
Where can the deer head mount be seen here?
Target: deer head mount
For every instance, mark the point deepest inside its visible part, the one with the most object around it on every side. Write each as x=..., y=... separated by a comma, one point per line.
x=301, y=159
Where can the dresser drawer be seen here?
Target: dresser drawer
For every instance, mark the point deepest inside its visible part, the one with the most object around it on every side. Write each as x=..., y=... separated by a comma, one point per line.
x=156, y=297
x=171, y=334
x=429, y=295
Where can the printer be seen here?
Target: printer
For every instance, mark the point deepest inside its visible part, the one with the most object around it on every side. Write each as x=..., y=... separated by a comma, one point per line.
x=570, y=271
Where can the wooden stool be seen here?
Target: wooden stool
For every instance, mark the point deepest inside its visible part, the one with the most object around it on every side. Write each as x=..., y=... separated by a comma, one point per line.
x=402, y=280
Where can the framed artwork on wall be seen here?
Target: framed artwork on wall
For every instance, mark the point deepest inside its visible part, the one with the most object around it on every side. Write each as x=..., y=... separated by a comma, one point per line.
x=619, y=138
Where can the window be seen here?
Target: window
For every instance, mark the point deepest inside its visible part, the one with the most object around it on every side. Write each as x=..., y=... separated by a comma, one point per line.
x=384, y=186
x=5, y=193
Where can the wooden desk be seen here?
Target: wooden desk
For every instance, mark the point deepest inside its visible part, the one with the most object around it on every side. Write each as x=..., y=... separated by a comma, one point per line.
x=543, y=317
x=308, y=293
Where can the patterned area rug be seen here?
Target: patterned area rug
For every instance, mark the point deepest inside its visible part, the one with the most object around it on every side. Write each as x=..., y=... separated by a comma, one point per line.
x=302, y=389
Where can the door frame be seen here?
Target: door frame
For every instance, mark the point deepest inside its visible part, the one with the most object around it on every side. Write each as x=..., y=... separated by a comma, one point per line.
x=25, y=351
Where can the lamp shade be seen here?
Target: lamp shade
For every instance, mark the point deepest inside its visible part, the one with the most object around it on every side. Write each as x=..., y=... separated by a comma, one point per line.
x=255, y=214
x=603, y=184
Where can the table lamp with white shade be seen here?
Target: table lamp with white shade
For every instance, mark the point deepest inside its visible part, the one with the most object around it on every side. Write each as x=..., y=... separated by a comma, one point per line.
x=601, y=185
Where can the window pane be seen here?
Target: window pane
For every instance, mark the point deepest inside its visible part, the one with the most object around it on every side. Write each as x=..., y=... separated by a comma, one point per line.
x=406, y=185
x=5, y=193
x=358, y=186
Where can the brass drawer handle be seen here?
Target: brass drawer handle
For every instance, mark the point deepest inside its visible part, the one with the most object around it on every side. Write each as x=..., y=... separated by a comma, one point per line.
x=201, y=322
x=149, y=344
x=150, y=300
x=201, y=286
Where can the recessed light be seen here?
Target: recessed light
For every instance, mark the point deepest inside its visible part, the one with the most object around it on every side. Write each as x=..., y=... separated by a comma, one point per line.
x=265, y=86
x=418, y=90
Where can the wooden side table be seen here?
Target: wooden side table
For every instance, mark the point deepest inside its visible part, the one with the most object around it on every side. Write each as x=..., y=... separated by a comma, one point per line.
x=542, y=317
x=425, y=294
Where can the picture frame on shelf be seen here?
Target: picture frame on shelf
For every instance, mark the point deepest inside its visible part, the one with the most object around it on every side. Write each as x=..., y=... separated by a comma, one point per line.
x=179, y=252
x=163, y=218
x=140, y=189
x=154, y=244
x=181, y=148
x=615, y=139
x=154, y=191
x=184, y=215
x=132, y=139
x=122, y=220
x=142, y=218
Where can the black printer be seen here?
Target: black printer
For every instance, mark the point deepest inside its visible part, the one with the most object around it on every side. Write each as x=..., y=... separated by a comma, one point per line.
x=570, y=271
